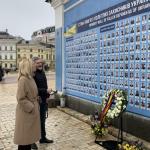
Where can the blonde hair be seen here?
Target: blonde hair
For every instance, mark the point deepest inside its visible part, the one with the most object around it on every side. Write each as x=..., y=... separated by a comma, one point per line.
x=25, y=68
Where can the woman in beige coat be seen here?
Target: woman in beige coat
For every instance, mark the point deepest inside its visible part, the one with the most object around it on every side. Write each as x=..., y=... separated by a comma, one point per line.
x=27, y=125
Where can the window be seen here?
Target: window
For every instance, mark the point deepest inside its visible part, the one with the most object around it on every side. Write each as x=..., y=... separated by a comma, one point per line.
x=42, y=56
x=5, y=56
x=10, y=65
x=0, y=57
x=5, y=65
x=47, y=56
x=0, y=48
x=11, y=57
x=31, y=55
x=5, y=48
x=18, y=55
x=11, y=48
x=31, y=50
x=18, y=49
x=39, y=50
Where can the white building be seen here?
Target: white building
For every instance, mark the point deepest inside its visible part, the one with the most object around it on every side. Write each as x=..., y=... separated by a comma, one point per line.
x=8, y=50
x=46, y=35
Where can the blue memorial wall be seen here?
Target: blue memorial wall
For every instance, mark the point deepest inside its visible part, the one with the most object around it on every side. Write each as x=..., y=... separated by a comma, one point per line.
x=109, y=49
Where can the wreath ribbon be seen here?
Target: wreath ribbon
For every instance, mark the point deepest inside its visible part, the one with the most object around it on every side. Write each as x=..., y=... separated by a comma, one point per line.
x=107, y=106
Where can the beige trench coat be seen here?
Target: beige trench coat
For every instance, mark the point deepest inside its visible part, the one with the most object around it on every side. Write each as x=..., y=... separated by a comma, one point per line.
x=27, y=125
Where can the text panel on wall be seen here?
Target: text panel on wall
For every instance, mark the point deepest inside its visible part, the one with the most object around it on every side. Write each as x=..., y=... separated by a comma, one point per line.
x=111, y=49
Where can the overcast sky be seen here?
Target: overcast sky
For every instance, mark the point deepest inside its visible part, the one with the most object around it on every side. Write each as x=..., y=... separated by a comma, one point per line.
x=23, y=17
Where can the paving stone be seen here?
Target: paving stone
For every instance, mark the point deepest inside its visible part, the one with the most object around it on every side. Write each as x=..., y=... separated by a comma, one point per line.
x=67, y=132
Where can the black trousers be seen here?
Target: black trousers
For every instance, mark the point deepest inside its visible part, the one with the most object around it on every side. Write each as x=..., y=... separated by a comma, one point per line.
x=43, y=112
x=24, y=147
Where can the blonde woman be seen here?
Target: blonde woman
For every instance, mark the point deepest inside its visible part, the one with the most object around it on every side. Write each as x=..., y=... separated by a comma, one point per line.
x=27, y=125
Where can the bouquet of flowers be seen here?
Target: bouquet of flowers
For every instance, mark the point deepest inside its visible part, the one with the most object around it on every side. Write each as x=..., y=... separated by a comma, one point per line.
x=134, y=145
x=97, y=128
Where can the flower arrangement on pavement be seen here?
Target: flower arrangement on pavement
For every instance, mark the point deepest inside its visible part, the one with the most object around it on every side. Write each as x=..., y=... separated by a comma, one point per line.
x=134, y=145
x=99, y=130
x=61, y=94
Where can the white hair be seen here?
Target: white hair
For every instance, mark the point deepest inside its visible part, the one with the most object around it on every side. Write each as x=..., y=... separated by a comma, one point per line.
x=25, y=68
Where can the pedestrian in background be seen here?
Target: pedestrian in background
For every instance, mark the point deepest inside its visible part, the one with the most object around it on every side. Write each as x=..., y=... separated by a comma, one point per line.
x=41, y=82
x=1, y=73
x=27, y=125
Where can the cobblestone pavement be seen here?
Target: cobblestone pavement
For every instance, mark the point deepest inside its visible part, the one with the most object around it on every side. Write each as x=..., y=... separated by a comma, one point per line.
x=67, y=132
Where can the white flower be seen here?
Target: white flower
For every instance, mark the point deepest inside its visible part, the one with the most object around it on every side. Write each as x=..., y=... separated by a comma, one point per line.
x=109, y=111
x=124, y=106
x=112, y=115
x=119, y=98
x=118, y=111
x=119, y=107
x=117, y=103
x=116, y=115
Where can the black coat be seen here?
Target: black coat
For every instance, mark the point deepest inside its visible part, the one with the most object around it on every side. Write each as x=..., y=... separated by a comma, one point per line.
x=41, y=82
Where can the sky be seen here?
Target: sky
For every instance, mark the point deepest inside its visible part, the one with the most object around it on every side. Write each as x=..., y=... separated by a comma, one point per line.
x=23, y=17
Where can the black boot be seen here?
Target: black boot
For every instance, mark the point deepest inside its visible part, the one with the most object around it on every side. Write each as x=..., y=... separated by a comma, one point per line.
x=34, y=146
x=45, y=140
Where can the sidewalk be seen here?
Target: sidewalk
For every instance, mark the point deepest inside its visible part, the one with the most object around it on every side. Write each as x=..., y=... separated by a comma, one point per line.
x=67, y=132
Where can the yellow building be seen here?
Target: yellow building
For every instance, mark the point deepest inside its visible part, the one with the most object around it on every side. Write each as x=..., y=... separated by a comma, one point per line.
x=30, y=49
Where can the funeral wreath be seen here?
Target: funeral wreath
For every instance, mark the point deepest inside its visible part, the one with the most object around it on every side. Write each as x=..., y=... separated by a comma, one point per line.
x=114, y=102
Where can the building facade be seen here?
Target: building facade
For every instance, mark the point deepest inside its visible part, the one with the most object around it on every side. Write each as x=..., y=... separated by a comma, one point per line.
x=33, y=48
x=46, y=35
x=8, y=50
x=105, y=45
x=42, y=45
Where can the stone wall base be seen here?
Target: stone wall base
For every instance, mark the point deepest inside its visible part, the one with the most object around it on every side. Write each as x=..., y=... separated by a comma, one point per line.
x=134, y=124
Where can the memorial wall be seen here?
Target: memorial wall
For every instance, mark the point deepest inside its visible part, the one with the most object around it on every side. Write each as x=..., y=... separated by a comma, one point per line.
x=110, y=49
